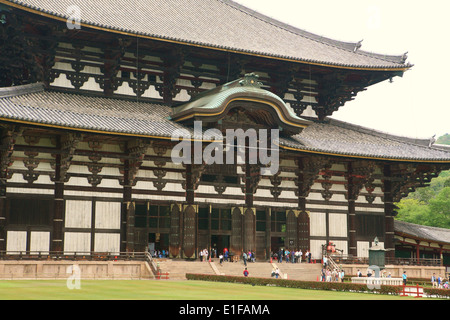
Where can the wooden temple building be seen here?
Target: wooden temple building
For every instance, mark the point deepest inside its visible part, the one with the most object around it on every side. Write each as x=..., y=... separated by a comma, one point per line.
x=92, y=92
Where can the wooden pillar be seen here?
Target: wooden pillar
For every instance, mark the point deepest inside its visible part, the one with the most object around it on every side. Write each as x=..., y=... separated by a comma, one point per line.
x=189, y=232
x=236, y=239
x=303, y=217
x=189, y=185
x=127, y=212
x=352, y=244
x=57, y=235
x=7, y=143
x=175, y=231
x=3, y=222
x=268, y=232
x=249, y=230
x=388, y=213
x=250, y=181
x=418, y=251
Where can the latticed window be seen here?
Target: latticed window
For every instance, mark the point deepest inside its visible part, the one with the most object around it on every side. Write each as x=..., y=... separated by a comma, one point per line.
x=159, y=217
x=260, y=220
x=220, y=219
x=203, y=215
x=278, y=221
x=153, y=216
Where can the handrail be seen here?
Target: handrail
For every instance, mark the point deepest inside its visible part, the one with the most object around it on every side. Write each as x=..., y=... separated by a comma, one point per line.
x=155, y=267
x=72, y=255
x=332, y=263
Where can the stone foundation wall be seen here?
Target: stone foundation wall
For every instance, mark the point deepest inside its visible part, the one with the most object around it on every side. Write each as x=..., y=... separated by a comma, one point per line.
x=119, y=270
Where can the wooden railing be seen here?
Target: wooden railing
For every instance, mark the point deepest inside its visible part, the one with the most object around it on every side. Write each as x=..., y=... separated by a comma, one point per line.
x=349, y=259
x=89, y=256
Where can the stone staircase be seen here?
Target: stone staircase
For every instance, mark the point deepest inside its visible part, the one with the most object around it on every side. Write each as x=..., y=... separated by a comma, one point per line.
x=177, y=269
x=299, y=271
x=255, y=269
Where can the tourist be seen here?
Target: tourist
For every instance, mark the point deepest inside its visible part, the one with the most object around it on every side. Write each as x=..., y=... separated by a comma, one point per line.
x=404, y=277
x=277, y=273
x=325, y=260
x=244, y=257
x=328, y=275
x=322, y=275
x=221, y=259
x=359, y=273
x=341, y=275
x=300, y=256
x=245, y=272
x=433, y=280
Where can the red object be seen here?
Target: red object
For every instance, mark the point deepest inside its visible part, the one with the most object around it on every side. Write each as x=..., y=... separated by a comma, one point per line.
x=417, y=292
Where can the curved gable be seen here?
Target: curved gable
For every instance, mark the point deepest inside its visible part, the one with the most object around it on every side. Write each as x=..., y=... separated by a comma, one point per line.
x=245, y=94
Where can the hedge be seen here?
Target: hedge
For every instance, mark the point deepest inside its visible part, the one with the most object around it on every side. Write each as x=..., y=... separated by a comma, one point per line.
x=438, y=293
x=317, y=285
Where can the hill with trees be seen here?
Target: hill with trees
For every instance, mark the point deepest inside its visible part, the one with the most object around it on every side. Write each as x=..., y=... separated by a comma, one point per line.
x=445, y=139
x=429, y=206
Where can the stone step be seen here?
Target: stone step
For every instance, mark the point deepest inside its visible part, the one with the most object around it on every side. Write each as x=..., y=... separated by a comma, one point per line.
x=177, y=269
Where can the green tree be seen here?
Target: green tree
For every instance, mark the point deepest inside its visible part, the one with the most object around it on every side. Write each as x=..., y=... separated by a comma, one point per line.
x=445, y=139
x=430, y=205
x=413, y=211
x=440, y=209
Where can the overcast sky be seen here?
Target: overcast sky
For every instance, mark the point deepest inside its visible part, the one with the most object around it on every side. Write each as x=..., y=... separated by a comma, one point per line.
x=416, y=105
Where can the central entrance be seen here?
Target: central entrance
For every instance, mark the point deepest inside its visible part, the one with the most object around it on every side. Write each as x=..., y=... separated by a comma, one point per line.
x=220, y=242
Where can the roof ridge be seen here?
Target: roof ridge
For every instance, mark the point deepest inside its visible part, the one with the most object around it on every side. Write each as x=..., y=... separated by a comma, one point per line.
x=343, y=45
x=22, y=89
x=421, y=225
x=420, y=142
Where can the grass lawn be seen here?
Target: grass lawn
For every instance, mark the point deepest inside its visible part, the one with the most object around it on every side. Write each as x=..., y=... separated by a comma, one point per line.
x=166, y=290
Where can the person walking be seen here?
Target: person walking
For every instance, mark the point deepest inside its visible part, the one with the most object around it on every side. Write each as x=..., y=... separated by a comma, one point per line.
x=341, y=275
x=404, y=277
x=433, y=280
x=244, y=257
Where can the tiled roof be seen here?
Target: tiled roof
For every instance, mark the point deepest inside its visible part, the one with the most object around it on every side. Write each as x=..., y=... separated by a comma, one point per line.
x=219, y=24
x=422, y=232
x=32, y=104
x=340, y=138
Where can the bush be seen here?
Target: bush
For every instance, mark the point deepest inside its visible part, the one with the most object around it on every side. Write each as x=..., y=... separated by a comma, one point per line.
x=440, y=293
x=312, y=285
